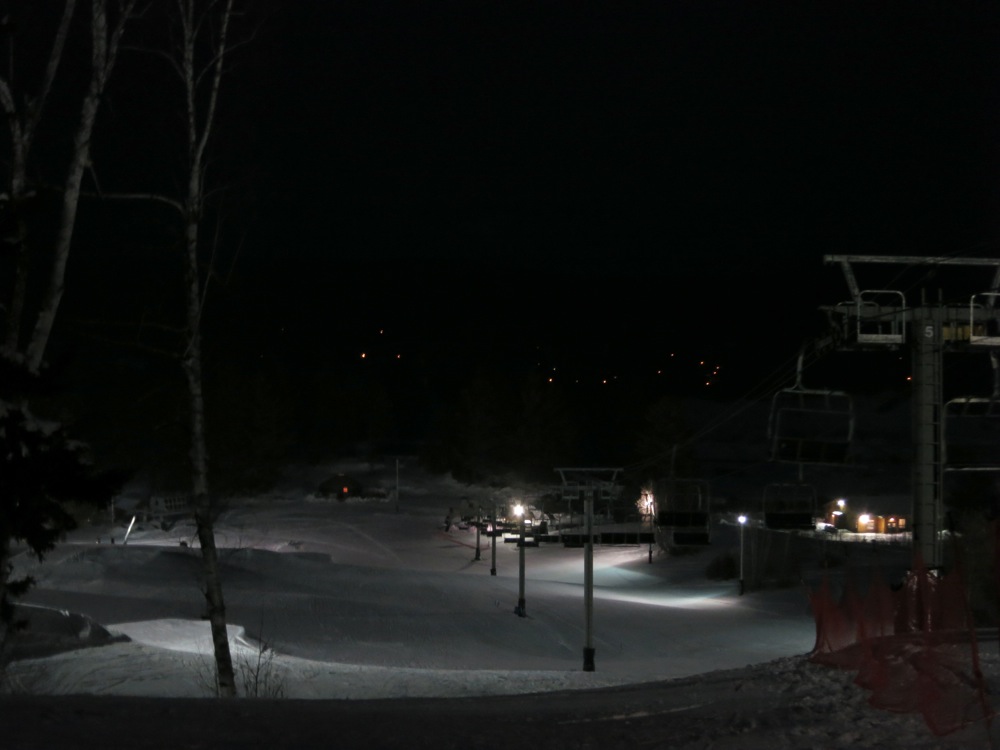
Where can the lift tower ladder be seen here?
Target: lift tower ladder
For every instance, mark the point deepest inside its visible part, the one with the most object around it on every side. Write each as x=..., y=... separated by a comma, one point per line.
x=929, y=329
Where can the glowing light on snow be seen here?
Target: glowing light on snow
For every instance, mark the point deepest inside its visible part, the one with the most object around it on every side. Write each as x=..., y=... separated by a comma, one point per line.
x=707, y=600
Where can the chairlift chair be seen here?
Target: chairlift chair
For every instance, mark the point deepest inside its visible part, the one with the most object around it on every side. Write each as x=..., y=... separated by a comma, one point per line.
x=972, y=434
x=881, y=317
x=984, y=319
x=684, y=517
x=787, y=506
x=810, y=426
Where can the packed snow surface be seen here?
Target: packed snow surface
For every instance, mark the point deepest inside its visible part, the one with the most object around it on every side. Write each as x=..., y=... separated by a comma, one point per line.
x=370, y=598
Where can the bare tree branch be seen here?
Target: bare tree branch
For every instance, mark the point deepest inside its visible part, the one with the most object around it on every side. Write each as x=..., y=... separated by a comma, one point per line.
x=103, y=55
x=23, y=127
x=148, y=197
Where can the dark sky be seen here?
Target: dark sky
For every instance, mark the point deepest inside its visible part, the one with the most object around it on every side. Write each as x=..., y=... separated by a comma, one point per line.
x=608, y=189
x=649, y=172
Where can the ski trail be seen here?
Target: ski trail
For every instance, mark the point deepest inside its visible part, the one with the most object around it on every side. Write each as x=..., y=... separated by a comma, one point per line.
x=378, y=545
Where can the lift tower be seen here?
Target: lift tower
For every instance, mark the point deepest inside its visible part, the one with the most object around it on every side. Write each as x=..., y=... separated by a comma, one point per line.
x=878, y=318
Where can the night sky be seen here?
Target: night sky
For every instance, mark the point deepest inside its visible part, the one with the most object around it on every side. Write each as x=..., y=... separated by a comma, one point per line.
x=619, y=177
x=589, y=192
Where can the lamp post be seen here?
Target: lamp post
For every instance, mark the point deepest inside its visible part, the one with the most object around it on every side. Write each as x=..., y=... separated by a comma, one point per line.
x=743, y=522
x=493, y=524
x=588, y=584
x=649, y=512
x=520, y=609
x=479, y=526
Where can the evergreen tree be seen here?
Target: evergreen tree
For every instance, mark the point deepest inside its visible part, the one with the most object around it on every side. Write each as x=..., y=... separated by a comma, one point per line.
x=42, y=471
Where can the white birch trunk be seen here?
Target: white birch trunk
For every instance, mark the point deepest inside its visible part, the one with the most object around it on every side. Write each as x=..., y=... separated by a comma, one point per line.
x=67, y=222
x=104, y=51
x=204, y=512
x=198, y=135
x=15, y=309
x=22, y=123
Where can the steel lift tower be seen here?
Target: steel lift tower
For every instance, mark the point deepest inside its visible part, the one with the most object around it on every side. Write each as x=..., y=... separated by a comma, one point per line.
x=878, y=318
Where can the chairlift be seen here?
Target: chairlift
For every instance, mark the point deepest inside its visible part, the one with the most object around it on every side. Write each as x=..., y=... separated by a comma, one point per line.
x=881, y=317
x=984, y=319
x=972, y=434
x=603, y=484
x=789, y=506
x=809, y=426
x=684, y=518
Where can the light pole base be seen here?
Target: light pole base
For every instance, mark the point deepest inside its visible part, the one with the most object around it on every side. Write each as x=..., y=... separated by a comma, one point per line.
x=742, y=587
x=520, y=610
x=493, y=571
x=588, y=659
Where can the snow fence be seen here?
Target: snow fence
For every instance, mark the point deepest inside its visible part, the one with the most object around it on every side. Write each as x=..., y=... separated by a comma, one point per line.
x=913, y=646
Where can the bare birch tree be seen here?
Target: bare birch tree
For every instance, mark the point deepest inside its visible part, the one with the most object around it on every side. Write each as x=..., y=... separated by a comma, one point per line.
x=201, y=113
x=23, y=112
x=197, y=50
x=199, y=58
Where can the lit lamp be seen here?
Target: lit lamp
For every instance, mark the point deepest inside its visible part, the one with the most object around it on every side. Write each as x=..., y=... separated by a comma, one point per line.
x=743, y=522
x=520, y=609
x=838, y=515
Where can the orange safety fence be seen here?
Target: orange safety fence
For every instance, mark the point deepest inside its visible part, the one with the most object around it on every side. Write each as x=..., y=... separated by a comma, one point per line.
x=914, y=647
